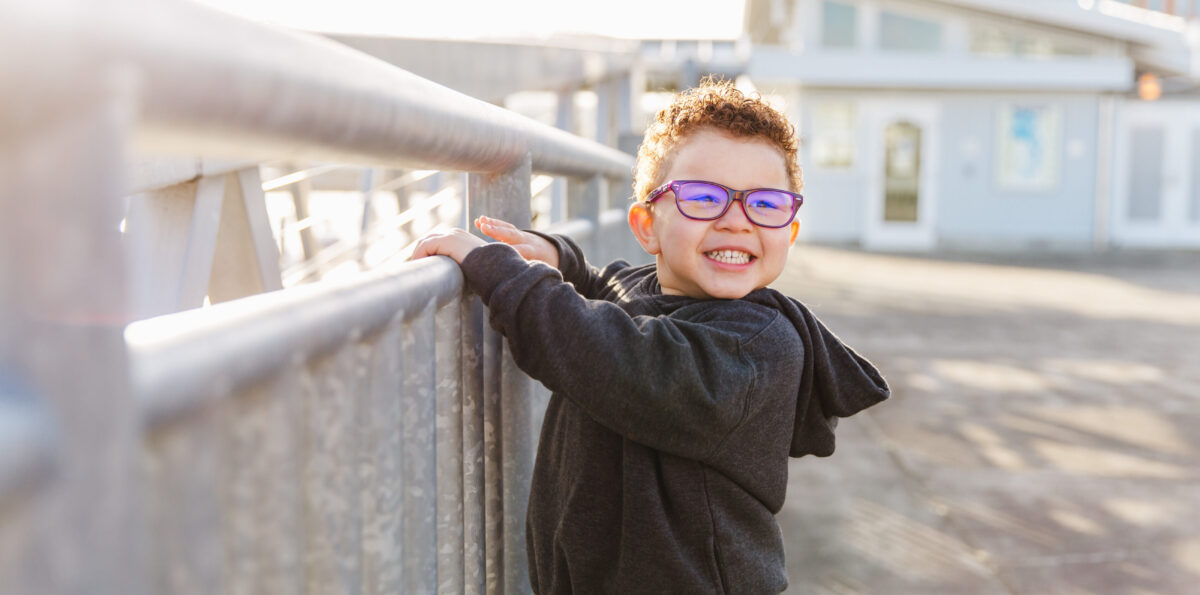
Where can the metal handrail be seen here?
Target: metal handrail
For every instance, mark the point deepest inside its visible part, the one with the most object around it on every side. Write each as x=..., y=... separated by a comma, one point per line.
x=182, y=358
x=296, y=95
x=135, y=78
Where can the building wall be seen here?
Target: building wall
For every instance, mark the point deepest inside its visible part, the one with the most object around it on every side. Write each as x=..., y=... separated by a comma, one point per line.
x=833, y=196
x=977, y=208
x=1030, y=145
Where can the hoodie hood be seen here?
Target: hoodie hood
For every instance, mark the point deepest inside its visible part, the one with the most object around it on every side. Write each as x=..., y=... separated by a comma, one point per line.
x=834, y=382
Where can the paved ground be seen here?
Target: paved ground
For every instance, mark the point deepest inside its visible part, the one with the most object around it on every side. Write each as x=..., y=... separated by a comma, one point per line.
x=1043, y=435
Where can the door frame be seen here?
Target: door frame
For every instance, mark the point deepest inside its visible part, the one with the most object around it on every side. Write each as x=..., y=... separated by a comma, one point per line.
x=1180, y=121
x=901, y=236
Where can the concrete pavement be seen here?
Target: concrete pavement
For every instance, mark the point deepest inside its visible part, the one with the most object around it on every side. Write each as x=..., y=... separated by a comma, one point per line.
x=1043, y=435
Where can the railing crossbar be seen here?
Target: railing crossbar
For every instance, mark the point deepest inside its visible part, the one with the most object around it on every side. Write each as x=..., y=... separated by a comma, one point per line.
x=182, y=358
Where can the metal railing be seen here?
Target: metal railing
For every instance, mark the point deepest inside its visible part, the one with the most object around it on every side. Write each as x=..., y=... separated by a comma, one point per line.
x=368, y=435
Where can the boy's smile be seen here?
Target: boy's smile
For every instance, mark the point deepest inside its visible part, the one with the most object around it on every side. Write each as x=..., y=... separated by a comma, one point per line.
x=727, y=257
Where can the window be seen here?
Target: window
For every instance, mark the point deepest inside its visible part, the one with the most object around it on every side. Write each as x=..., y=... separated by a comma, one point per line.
x=1145, y=173
x=833, y=126
x=902, y=172
x=1029, y=144
x=839, y=25
x=899, y=32
x=994, y=41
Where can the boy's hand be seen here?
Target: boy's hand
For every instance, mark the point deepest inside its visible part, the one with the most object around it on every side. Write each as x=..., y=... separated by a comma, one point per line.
x=528, y=245
x=455, y=243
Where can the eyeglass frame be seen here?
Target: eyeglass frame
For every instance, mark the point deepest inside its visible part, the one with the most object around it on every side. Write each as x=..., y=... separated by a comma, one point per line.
x=734, y=196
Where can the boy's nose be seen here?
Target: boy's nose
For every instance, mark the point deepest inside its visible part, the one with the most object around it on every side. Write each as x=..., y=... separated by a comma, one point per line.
x=735, y=217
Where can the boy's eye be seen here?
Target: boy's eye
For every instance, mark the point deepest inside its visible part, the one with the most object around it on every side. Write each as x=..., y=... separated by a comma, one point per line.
x=765, y=205
x=703, y=199
x=769, y=201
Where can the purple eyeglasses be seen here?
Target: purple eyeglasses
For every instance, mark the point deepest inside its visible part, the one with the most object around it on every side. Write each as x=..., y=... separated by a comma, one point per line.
x=705, y=201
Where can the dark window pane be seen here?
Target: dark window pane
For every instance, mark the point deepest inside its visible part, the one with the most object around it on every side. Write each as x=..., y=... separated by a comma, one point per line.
x=1145, y=174
x=902, y=172
x=838, y=25
x=899, y=32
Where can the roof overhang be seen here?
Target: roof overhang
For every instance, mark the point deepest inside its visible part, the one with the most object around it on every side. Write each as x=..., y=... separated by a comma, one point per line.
x=815, y=68
x=1158, y=41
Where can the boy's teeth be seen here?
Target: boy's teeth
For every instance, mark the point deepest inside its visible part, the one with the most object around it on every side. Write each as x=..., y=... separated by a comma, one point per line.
x=730, y=256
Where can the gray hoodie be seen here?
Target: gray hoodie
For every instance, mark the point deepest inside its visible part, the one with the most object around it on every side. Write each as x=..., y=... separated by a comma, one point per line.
x=664, y=450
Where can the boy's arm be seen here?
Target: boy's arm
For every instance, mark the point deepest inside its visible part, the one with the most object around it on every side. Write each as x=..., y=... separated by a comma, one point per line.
x=672, y=385
x=557, y=251
x=575, y=269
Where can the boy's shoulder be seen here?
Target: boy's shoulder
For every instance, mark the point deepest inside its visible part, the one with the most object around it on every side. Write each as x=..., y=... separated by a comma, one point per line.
x=751, y=320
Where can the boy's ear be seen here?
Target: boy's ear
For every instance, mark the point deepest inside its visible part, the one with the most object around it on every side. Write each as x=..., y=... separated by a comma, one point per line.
x=795, y=230
x=641, y=223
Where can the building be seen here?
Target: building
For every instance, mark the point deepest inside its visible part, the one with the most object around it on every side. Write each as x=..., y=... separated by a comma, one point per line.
x=991, y=124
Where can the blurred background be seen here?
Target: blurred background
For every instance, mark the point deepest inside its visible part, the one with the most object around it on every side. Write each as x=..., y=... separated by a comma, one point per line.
x=219, y=374
x=976, y=124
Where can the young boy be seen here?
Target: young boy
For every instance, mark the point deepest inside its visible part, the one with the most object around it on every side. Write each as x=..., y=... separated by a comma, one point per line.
x=682, y=387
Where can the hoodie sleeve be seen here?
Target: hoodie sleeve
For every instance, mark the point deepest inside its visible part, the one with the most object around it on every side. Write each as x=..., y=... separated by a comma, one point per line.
x=835, y=382
x=675, y=385
x=588, y=281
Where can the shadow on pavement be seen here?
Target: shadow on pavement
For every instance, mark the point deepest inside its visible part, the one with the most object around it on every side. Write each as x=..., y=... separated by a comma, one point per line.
x=1043, y=436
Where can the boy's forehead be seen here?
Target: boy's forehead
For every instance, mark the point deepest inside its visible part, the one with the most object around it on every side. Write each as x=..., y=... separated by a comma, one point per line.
x=741, y=161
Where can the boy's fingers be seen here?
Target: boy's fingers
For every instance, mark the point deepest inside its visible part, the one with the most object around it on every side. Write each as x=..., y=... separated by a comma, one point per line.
x=507, y=235
x=427, y=246
x=424, y=248
x=487, y=224
x=495, y=222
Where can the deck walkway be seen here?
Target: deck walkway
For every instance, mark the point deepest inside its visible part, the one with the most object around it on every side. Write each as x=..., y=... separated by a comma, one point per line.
x=1044, y=435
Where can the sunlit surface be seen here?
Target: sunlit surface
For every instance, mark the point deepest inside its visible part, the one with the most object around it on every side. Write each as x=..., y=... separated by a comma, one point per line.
x=1187, y=554
x=905, y=282
x=1043, y=435
x=908, y=546
x=466, y=19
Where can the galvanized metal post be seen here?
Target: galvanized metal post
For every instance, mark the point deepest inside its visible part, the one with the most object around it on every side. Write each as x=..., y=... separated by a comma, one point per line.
x=587, y=202
x=629, y=111
x=64, y=303
x=451, y=563
x=474, y=475
x=624, y=107
x=604, y=111
x=418, y=415
x=508, y=447
x=564, y=119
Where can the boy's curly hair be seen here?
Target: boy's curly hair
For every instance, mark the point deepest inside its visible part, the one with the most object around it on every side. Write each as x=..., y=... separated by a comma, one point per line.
x=716, y=104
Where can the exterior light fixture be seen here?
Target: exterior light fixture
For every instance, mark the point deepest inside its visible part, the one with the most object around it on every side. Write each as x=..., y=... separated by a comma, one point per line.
x=1149, y=86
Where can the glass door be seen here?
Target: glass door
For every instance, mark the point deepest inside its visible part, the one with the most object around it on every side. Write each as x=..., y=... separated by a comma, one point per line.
x=1157, y=176
x=901, y=188
x=902, y=172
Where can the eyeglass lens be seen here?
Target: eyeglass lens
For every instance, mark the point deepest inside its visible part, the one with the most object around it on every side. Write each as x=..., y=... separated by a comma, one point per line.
x=708, y=201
